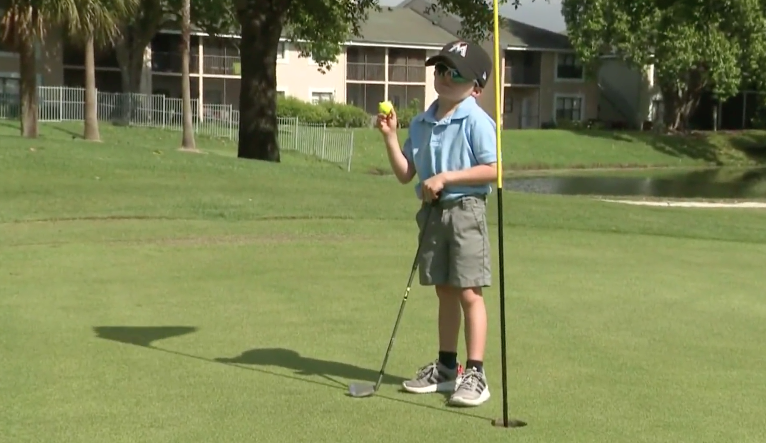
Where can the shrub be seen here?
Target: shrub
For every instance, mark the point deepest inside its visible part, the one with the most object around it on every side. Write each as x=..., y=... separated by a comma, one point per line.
x=291, y=107
x=345, y=116
x=405, y=115
x=328, y=113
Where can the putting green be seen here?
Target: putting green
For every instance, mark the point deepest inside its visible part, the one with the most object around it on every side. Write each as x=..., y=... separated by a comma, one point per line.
x=195, y=298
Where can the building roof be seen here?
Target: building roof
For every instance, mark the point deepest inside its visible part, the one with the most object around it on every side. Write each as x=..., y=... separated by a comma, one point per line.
x=401, y=26
x=513, y=33
x=409, y=24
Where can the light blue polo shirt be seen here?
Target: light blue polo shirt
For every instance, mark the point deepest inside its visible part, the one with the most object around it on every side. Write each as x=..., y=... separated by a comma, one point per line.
x=460, y=141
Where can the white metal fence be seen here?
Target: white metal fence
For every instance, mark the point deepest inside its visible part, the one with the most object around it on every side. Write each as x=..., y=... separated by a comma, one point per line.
x=58, y=104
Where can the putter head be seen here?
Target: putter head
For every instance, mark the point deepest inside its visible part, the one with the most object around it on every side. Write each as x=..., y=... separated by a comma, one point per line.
x=359, y=390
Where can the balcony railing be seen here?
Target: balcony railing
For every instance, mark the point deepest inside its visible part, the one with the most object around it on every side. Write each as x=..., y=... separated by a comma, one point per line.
x=406, y=74
x=366, y=71
x=522, y=75
x=171, y=62
x=221, y=65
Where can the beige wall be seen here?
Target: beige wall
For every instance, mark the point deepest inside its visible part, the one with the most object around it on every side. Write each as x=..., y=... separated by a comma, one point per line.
x=487, y=99
x=299, y=77
x=550, y=88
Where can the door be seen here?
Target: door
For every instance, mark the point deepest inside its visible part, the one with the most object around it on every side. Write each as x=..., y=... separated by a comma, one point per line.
x=526, y=113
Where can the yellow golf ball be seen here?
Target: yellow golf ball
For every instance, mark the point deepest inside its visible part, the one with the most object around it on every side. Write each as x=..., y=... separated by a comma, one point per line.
x=385, y=107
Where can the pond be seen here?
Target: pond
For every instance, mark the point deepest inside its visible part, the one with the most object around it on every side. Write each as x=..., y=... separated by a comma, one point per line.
x=721, y=183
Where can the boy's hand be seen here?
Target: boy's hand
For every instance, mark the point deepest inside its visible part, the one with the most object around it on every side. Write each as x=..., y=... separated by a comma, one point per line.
x=432, y=187
x=387, y=123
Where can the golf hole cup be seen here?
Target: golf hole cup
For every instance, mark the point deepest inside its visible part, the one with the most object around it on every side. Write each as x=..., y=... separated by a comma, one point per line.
x=385, y=108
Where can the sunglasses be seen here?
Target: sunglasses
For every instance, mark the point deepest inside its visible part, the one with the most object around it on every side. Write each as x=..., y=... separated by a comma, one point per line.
x=443, y=70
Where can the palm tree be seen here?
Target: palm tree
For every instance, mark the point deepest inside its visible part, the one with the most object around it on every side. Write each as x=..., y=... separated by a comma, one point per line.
x=96, y=22
x=24, y=24
x=187, y=139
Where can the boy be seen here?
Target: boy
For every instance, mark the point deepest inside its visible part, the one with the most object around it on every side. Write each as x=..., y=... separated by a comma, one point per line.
x=452, y=149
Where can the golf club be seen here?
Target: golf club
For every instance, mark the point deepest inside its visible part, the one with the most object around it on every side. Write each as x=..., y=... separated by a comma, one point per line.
x=366, y=389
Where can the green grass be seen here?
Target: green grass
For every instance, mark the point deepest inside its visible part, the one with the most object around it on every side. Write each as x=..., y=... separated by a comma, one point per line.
x=528, y=150
x=562, y=149
x=156, y=296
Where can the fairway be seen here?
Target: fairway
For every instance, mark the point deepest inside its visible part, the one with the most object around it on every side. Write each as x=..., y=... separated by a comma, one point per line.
x=150, y=295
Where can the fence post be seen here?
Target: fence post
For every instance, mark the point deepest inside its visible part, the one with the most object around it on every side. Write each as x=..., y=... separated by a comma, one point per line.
x=61, y=104
x=164, y=111
x=295, y=135
x=324, y=136
x=350, y=152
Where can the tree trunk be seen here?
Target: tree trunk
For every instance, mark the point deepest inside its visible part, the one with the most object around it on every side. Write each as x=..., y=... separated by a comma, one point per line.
x=91, y=131
x=28, y=86
x=129, y=48
x=261, y=28
x=187, y=139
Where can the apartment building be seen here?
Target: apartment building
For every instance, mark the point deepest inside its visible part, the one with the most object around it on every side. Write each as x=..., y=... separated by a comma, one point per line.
x=541, y=76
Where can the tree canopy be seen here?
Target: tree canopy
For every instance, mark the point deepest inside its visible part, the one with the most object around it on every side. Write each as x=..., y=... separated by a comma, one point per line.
x=694, y=45
x=317, y=28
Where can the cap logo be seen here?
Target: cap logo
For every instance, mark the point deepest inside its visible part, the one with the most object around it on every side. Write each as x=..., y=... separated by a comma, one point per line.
x=459, y=48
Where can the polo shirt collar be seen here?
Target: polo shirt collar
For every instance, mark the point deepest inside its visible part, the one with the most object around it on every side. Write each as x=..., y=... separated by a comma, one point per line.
x=463, y=110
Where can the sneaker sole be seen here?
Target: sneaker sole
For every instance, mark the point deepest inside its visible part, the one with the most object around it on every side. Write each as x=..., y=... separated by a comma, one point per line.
x=460, y=401
x=448, y=386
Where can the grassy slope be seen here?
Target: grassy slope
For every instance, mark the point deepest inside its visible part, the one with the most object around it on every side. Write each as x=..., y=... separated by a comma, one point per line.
x=522, y=150
x=542, y=149
x=626, y=324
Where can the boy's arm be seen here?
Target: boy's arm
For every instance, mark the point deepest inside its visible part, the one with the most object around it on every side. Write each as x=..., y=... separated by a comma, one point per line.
x=483, y=141
x=400, y=159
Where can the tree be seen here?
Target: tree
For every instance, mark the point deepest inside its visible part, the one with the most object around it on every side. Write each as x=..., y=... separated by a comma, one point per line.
x=138, y=30
x=95, y=23
x=317, y=28
x=694, y=45
x=25, y=24
x=187, y=139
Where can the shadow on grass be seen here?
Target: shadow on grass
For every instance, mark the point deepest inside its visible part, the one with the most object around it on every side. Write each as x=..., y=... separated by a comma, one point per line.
x=145, y=336
x=712, y=148
x=15, y=124
x=307, y=366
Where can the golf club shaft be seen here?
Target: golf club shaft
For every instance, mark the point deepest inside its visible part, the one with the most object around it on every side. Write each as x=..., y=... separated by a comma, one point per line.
x=404, y=299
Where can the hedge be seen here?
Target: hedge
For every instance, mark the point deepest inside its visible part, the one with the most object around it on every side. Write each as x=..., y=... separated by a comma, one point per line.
x=338, y=115
x=329, y=113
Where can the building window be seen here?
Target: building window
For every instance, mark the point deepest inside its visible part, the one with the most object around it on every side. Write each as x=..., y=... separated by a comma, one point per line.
x=406, y=65
x=569, y=108
x=8, y=86
x=321, y=96
x=366, y=64
x=365, y=96
x=568, y=67
x=404, y=96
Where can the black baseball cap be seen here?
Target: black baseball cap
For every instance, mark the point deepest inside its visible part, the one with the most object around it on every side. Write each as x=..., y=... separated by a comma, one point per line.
x=469, y=59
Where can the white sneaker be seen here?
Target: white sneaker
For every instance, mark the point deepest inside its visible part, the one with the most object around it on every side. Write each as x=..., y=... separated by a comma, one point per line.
x=471, y=389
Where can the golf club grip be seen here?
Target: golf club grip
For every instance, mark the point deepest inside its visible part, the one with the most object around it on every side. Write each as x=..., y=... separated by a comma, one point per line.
x=404, y=299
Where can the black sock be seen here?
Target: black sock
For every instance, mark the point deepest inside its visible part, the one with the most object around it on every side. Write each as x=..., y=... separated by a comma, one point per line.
x=448, y=359
x=479, y=365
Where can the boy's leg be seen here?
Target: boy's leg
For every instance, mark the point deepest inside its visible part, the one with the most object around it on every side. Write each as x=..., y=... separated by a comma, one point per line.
x=441, y=374
x=470, y=271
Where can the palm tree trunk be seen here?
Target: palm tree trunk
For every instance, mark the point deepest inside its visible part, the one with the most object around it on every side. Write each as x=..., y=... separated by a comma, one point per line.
x=187, y=141
x=91, y=112
x=28, y=86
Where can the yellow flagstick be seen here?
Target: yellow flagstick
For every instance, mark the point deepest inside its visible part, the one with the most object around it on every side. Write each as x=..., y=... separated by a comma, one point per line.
x=504, y=422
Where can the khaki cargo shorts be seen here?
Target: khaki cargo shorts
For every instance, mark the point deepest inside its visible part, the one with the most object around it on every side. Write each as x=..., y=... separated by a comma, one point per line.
x=455, y=249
